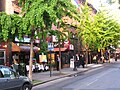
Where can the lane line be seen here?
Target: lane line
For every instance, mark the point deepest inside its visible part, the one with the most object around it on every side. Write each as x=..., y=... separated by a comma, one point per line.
x=92, y=82
x=96, y=78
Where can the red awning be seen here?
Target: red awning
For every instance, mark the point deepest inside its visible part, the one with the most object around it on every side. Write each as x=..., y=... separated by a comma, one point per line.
x=57, y=49
x=15, y=47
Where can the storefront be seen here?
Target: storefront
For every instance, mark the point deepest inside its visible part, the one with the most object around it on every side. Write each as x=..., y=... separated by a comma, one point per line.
x=4, y=52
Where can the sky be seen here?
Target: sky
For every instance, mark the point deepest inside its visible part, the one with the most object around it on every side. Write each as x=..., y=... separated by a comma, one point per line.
x=97, y=3
x=113, y=9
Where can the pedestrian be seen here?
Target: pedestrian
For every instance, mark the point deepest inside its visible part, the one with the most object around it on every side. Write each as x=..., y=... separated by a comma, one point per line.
x=102, y=59
x=106, y=55
x=94, y=59
x=14, y=66
x=115, y=57
x=77, y=60
x=57, y=62
x=97, y=59
x=82, y=59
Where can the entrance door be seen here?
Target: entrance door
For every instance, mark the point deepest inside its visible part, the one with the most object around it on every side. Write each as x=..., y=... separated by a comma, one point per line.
x=2, y=56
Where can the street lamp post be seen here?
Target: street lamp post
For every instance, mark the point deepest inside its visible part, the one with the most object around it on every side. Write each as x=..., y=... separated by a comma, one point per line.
x=74, y=69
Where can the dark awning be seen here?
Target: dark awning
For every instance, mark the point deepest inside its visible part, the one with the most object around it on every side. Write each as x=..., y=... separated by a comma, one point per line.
x=27, y=48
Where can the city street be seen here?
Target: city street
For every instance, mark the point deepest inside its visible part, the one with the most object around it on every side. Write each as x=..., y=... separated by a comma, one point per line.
x=105, y=78
x=60, y=44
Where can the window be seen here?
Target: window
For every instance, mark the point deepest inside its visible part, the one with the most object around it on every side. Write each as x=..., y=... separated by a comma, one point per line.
x=5, y=72
x=8, y=73
x=1, y=54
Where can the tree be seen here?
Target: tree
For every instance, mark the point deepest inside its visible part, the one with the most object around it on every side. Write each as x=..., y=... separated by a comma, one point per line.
x=40, y=15
x=98, y=30
x=83, y=30
x=9, y=27
x=107, y=29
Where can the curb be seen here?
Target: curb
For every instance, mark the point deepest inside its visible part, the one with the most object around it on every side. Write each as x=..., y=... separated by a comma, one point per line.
x=68, y=75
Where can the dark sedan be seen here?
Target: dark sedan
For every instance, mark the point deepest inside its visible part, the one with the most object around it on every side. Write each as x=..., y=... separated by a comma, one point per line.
x=10, y=80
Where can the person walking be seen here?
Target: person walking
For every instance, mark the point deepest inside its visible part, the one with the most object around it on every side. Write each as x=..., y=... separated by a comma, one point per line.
x=94, y=59
x=82, y=59
x=57, y=62
x=77, y=60
x=97, y=59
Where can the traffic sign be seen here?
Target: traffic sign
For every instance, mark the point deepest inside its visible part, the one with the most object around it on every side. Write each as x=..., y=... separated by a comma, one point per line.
x=50, y=46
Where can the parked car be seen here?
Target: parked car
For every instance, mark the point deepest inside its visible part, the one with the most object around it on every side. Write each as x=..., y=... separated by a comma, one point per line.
x=10, y=80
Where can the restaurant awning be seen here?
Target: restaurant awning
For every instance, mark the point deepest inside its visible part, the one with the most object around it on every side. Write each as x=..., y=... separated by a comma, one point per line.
x=57, y=49
x=23, y=47
x=27, y=48
x=15, y=47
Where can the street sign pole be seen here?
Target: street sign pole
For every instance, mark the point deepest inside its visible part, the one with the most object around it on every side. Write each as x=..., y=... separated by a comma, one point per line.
x=50, y=65
x=50, y=48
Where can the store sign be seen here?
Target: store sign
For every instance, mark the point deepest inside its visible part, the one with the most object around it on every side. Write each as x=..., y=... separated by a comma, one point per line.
x=42, y=58
x=50, y=46
x=25, y=39
x=54, y=38
x=66, y=43
x=71, y=47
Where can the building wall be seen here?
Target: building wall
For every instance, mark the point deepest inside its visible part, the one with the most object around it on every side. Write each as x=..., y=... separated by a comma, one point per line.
x=2, y=5
x=8, y=7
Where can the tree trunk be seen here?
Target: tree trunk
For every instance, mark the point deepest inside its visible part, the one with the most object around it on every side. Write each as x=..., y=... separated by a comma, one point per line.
x=31, y=55
x=59, y=57
x=86, y=57
x=109, y=57
x=59, y=50
x=86, y=54
x=10, y=51
x=30, y=62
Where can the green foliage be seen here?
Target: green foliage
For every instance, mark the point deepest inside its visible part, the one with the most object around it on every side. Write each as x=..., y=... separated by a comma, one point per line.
x=43, y=47
x=85, y=25
x=41, y=14
x=9, y=25
x=107, y=29
x=99, y=30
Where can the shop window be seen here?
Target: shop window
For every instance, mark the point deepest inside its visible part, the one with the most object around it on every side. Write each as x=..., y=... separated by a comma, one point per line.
x=1, y=54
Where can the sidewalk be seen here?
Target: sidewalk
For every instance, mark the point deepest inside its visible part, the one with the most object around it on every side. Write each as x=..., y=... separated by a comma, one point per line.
x=65, y=72
x=45, y=76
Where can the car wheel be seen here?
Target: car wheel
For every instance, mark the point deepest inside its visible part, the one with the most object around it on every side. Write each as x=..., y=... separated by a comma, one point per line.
x=26, y=87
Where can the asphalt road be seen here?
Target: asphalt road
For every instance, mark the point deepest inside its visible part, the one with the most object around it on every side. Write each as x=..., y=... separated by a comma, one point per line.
x=105, y=78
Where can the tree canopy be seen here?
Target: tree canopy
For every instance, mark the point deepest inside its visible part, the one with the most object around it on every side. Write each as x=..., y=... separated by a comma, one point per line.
x=9, y=25
x=39, y=15
x=99, y=30
x=43, y=13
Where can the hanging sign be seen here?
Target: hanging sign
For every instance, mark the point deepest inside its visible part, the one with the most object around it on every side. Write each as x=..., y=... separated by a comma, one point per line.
x=50, y=46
